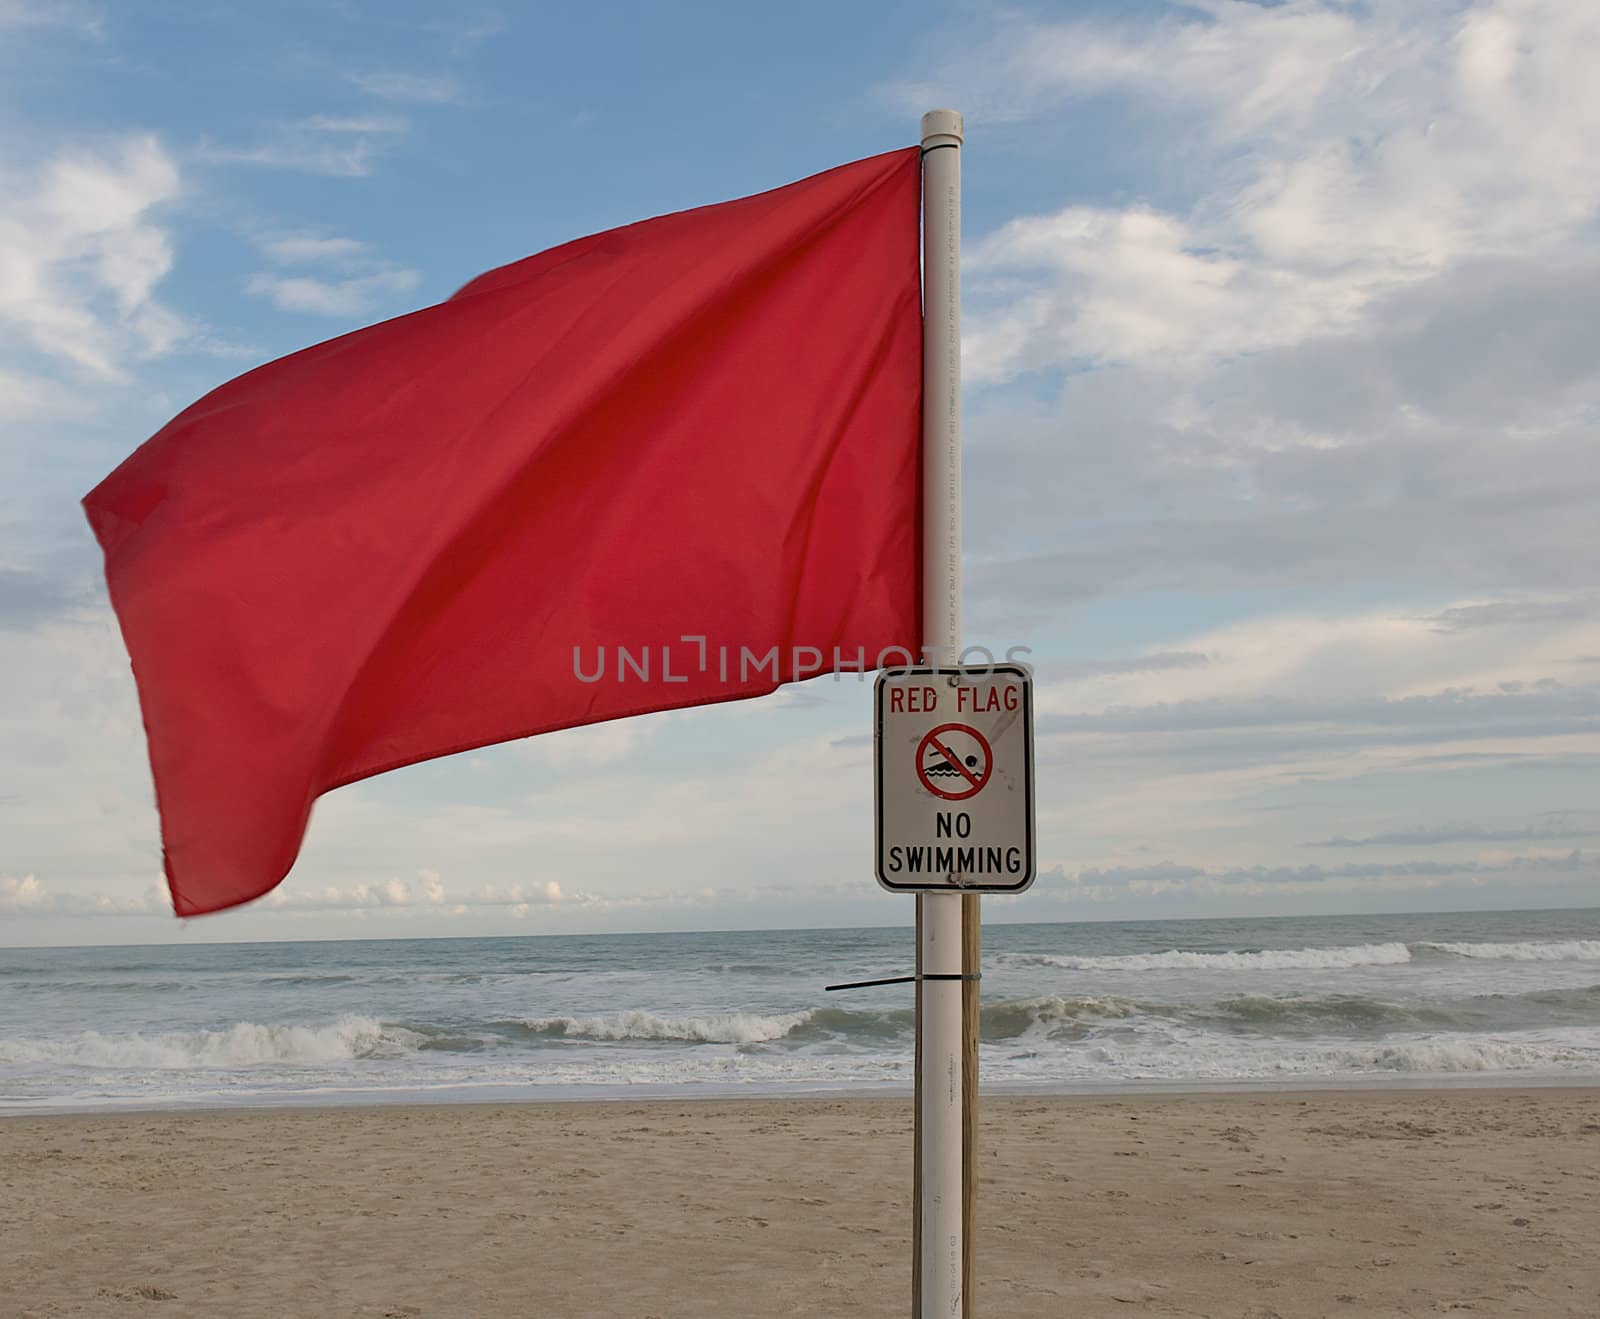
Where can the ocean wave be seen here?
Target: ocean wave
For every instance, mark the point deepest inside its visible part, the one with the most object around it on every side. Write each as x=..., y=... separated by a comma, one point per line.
x=1261, y=959
x=711, y=1028
x=741, y=969
x=425, y=1038
x=1307, y=1012
x=850, y=1024
x=1053, y=1015
x=50, y=984
x=1293, y=1017
x=1562, y=950
x=244, y=1044
x=1049, y=1014
x=1199, y=1055
x=1473, y=1054
x=306, y=978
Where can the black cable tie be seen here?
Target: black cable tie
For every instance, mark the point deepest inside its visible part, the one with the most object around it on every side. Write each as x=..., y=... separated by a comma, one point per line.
x=903, y=980
x=863, y=984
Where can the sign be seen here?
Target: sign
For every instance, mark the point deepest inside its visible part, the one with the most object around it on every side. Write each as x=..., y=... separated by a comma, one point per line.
x=955, y=779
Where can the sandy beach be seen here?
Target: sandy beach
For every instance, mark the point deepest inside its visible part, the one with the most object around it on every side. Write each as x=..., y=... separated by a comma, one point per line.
x=1321, y=1203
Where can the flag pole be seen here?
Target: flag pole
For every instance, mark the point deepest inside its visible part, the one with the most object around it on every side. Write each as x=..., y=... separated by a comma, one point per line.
x=937, y=1231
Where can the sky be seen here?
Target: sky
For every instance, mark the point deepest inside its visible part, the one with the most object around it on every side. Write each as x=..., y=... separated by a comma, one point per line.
x=1282, y=420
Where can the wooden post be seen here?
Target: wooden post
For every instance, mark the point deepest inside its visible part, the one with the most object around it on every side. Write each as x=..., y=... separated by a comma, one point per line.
x=916, y=1134
x=971, y=962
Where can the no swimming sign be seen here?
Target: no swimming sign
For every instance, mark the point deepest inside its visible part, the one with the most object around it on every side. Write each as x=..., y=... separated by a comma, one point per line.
x=955, y=779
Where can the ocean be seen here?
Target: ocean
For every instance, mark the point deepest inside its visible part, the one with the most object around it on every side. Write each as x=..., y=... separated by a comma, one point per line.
x=1490, y=997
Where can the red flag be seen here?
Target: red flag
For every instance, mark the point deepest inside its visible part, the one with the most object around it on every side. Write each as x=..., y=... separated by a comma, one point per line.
x=425, y=536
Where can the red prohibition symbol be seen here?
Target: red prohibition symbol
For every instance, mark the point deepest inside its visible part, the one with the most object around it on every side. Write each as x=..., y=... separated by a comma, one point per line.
x=966, y=772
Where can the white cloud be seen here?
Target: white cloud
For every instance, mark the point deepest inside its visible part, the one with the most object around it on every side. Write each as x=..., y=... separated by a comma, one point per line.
x=51, y=13
x=425, y=896
x=1332, y=658
x=81, y=256
x=75, y=767
x=29, y=396
x=415, y=88
x=1350, y=342
x=354, y=296
x=395, y=894
x=472, y=32
x=301, y=248
x=1329, y=722
x=431, y=886
x=340, y=147
x=357, y=124
x=1324, y=697
x=21, y=894
x=1163, y=880
x=30, y=896
x=356, y=281
x=611, y=743
x=1554, y=825
x=1355, y=151
x=1136, y=286
x=1265, y=67
x=517, y=895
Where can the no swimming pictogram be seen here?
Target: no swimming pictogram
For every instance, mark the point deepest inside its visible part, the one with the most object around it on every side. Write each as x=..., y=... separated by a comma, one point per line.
x=954, y=761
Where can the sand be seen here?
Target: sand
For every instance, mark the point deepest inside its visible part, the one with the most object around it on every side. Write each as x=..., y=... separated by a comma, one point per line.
x=1323, y=1203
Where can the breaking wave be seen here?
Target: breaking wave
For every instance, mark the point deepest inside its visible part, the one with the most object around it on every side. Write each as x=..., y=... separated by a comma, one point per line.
x=1202, y=1057
x=1313, y=959
x=1567, y=950
x=243, y=1044
x=712, y=1028
x=1052, y=1015
x=1466, y=1054
x=1263, y=959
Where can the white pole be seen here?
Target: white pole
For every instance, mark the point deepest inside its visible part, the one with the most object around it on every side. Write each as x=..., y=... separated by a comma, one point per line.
x=939, y=1118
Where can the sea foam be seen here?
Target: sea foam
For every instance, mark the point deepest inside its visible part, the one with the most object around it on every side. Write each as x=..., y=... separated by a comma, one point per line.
x=712, y=1028
x=243, y=1044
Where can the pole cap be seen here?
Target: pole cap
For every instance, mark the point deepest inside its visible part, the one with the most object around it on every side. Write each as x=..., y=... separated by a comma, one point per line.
x=941, y=126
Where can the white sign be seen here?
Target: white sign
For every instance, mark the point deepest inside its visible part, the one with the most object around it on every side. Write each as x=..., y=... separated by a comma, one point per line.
x=955, y=779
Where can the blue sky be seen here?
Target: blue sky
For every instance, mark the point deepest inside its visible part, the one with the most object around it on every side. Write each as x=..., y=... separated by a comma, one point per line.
x=1282, y=407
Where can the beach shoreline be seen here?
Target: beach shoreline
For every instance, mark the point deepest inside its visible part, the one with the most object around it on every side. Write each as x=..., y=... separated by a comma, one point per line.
x=1393, y=1200
x=514, y=1096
